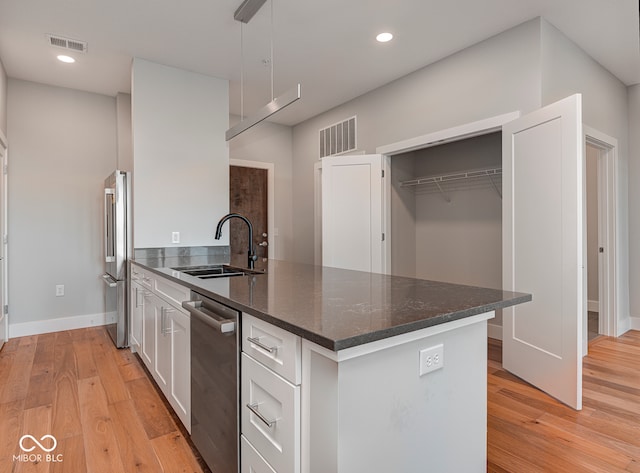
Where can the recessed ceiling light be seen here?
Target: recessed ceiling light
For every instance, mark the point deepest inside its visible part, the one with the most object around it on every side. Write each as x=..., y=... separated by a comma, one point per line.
x=67, y=59
x=384, y=37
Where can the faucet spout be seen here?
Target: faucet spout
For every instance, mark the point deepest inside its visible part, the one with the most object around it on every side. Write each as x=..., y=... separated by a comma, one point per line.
x=251, y=254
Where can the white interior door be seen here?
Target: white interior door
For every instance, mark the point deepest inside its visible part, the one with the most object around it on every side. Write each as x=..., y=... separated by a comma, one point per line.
x=543, y=238
x=352, y=212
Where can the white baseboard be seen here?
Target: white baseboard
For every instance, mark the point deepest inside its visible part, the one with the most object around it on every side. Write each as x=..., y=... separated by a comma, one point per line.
x=37, y=327
x=634, y=323
x=593, y=306
x=494, y=331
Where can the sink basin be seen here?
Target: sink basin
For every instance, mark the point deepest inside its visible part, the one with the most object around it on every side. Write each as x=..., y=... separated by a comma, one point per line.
x=215, y=271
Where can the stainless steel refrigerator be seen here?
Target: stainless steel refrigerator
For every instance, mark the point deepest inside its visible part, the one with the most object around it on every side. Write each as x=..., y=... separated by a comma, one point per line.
x=117, y=249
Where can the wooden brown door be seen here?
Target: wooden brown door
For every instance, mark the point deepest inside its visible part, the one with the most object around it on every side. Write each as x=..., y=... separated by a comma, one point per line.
x=248, y=197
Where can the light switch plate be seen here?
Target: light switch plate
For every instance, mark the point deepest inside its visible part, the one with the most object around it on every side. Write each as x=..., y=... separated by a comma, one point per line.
x=431, y=359
x=175, y=237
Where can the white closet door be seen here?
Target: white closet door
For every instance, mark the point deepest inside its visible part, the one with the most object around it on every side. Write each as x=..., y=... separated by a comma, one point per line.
x=352, y=212
x=542, y=242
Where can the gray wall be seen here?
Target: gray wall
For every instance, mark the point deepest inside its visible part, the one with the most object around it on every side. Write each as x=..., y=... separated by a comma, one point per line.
x=634, y=202
x=496, y=76
x=566, y=70
x=63, y=145
x=271, y=143
x=3, y=99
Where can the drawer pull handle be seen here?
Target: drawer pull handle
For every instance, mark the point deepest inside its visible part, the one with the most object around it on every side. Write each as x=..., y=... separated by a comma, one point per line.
x=258, y=343
x=254, y=408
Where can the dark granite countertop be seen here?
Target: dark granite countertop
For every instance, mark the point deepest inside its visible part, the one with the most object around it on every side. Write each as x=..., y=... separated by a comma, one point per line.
x=338, y=308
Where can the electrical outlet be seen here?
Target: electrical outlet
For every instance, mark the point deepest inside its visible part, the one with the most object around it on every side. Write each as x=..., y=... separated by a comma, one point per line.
x=175, y=237
x=59, y=290
x=431, y=359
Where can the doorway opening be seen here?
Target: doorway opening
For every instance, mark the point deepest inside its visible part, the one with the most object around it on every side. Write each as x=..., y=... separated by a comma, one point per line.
x=251, y=193
x=601, y=191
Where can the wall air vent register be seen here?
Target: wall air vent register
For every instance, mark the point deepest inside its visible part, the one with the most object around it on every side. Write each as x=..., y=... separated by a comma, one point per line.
x=338, y=138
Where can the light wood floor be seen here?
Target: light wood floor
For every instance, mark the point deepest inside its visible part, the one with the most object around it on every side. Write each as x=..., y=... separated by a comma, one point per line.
x=97, y=402
x=108, y=417
x=530, y=432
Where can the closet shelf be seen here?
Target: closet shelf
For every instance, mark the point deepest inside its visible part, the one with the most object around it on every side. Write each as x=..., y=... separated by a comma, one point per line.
x=444, y=178
x=452, y=177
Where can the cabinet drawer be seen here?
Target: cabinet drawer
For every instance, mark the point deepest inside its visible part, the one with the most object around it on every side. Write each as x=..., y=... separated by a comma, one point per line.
x=173, y=292
x=275, y=401
x=250, y=459
x=273, y=347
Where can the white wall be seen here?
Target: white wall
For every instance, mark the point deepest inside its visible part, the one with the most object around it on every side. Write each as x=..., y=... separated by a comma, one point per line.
x=496, y=76
x=125, y=145
x=63, y=145
x=566, y=70
x=3, y=99
x=272, y=143
x=181, y=159
x=634, y=204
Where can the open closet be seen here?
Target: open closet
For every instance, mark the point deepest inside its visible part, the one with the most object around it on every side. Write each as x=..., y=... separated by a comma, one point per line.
x=446, y=212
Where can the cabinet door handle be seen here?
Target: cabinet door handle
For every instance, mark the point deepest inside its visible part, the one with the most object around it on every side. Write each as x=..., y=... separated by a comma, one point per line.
x=254, y=408
x=256, y=341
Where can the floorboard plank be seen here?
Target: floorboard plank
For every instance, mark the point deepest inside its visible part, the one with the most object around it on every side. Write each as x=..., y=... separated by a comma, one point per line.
x=100, y=444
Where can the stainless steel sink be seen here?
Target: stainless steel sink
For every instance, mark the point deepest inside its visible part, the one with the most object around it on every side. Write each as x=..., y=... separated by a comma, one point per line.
x=215, y=271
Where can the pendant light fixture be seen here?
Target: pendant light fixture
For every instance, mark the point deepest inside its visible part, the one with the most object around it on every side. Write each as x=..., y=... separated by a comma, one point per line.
x=243, y=14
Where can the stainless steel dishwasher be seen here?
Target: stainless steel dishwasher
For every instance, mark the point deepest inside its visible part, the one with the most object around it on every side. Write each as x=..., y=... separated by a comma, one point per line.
x=214, y=382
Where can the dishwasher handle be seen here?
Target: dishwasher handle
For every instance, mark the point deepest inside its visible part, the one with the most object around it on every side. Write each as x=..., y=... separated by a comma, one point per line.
x=209, y=316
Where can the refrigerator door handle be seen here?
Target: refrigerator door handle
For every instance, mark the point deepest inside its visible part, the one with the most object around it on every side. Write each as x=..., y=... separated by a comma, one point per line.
x=109, y=225
x=109, y=281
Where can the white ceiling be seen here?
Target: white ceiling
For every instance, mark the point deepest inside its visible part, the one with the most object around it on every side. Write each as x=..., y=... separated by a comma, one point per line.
x=326, y=45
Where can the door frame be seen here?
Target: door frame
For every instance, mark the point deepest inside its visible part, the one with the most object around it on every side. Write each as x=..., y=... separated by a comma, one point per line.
x=4, y=226
x=607, y=230
x=270, y=167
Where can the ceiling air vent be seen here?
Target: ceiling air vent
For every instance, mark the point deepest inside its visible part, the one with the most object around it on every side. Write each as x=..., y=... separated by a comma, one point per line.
x=338, y=138
x=67, y=43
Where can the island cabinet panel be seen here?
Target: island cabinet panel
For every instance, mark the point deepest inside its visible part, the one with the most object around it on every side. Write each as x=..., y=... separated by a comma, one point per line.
x=371, y=410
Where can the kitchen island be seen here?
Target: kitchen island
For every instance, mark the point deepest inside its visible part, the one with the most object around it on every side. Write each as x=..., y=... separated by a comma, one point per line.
x=387, y=373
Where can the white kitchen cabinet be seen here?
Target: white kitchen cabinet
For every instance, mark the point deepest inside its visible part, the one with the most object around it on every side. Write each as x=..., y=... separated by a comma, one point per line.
x=272, y=346
x=270, y=421
x=251, y=461
x=136, y=315
x=149, y=329
x=180, y=392
x=162, y=359
x=270, y=415
x=165, y=338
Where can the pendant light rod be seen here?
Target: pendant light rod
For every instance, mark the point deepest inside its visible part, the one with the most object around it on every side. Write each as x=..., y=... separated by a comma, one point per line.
x=243, y=14
x=247, y=10
x=265, y=112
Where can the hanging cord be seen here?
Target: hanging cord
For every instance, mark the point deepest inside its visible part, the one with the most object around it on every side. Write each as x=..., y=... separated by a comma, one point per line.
x=271, y=4
x=241, y=72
